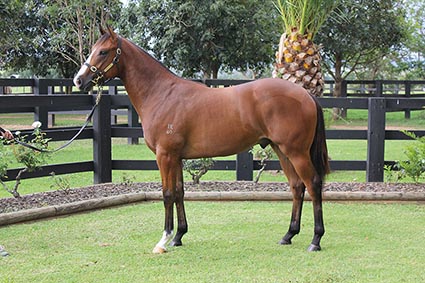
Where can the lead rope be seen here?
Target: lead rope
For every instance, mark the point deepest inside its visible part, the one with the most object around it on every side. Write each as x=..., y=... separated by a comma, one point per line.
x=88, y=119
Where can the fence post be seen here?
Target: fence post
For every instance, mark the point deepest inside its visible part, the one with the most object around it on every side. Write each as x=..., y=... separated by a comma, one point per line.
x=133, y=121
x=41, y=113
x=344, y=86
x=379, y=88
x=407, y=94
x=102, y=156
x=244, y=166
x=112, y=90
x=375, y=140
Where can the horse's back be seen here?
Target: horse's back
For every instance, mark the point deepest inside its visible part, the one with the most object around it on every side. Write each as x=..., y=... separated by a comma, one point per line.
x=277, y=98
x=278, y=90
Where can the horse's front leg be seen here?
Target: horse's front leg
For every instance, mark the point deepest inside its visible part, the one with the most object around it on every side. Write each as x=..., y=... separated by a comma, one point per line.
x=181, y=214
x=167, y=165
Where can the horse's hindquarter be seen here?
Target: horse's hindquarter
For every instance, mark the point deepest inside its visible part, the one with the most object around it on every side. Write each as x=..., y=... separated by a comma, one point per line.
x=287, y=111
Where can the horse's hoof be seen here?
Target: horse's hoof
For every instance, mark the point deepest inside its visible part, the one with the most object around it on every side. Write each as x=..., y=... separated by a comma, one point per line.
x=159, y=250
x=3, y=252
x=314, y=248
x=176, y=243
x=285, y=242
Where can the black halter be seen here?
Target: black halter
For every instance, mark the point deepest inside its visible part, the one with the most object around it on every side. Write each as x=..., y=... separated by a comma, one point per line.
x=99, y=75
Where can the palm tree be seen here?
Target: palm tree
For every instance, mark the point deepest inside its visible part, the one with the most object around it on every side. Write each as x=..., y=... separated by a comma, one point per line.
x=298, y=58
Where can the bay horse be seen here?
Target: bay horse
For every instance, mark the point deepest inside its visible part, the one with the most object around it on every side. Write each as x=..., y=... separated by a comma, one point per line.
x=183, y=119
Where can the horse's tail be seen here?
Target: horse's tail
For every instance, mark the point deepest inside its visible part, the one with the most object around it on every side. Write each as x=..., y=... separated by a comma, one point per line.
x=319, y=149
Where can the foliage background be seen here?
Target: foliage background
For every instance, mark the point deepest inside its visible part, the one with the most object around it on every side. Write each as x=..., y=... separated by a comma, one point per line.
x=370, y=39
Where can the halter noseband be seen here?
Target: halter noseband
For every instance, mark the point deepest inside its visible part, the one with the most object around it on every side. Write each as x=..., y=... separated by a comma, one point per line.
x=99, y=75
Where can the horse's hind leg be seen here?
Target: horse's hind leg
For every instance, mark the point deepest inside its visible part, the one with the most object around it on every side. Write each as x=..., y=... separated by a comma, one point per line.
x=298, y=190
x=314, y=183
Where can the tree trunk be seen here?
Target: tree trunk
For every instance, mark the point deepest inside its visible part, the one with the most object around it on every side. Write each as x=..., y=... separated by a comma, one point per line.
x=14, y=191
x=214, y=70
x=337, y=113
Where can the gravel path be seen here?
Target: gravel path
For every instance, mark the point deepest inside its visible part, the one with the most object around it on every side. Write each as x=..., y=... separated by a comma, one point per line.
x=106, y=190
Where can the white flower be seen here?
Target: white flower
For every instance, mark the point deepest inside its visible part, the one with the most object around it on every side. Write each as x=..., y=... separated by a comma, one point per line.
x=17, y=133
x=36, y=125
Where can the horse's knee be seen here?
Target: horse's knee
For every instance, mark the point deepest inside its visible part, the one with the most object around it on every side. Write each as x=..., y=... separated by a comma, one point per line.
x=168, y=195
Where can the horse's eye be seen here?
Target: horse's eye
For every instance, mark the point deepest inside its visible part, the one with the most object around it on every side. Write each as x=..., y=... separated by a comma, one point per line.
x=103, y=52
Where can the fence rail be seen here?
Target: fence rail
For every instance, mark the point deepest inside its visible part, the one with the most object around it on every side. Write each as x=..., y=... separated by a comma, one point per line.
x=45, y=100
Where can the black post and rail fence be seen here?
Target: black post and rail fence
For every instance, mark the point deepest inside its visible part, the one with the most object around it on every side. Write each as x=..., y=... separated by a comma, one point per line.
x=45, y=98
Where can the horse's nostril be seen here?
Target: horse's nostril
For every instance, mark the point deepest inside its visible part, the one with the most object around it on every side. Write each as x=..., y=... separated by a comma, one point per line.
x=78, y=82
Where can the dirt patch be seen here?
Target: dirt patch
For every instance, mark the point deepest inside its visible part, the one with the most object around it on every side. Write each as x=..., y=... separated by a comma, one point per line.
x=105, y=190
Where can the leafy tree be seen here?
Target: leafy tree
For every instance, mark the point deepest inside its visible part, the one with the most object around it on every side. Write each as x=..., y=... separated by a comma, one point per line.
x=204, y=35
x=46, y=35
x=72, y=27
x=409, y=61
x=21, y=47
x=362, y=34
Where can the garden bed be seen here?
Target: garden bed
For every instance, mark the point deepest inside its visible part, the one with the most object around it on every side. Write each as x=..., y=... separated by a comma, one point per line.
x=212, y=189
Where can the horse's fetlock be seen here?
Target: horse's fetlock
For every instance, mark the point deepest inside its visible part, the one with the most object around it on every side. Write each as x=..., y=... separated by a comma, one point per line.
x=319, y=230
x=294, y=228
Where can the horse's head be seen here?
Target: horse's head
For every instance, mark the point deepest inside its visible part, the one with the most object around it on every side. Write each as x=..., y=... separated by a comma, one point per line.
x=99, y=66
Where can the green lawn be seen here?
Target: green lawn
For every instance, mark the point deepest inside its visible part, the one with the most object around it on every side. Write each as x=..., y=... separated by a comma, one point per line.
x=227, y=242
x=358, y=117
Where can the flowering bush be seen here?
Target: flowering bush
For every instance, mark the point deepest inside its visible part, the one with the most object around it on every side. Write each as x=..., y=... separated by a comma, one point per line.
x=31, y=159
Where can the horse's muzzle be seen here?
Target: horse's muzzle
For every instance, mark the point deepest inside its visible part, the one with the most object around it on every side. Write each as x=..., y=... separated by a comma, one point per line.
x=82, y=84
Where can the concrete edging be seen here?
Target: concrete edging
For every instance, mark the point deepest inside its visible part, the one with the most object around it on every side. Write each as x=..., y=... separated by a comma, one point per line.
x=87, y=205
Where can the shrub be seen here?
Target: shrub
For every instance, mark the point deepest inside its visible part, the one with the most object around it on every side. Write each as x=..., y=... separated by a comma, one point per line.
x=198, y=167
x=414, y=165
x=263, y=154
x=31, y=159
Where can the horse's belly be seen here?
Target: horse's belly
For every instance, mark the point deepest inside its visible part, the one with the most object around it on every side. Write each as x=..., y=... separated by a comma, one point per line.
x=214, y=146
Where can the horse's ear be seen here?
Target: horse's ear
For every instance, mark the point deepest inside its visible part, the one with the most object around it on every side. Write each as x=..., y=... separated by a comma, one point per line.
x=112, y=33
x=101, y=30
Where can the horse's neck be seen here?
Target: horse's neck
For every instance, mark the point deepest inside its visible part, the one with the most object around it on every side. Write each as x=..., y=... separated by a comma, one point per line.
x=142, y=75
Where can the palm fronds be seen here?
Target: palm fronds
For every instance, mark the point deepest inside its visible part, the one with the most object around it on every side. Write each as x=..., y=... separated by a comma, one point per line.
x=304, y=16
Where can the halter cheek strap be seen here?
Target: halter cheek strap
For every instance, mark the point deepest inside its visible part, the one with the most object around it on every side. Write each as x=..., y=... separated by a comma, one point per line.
x=99, y=75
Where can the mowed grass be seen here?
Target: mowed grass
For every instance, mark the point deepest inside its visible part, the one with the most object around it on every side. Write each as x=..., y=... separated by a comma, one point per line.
x=227, y=242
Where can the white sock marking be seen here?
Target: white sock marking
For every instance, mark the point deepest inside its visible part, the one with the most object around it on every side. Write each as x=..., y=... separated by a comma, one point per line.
x=164, y=240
